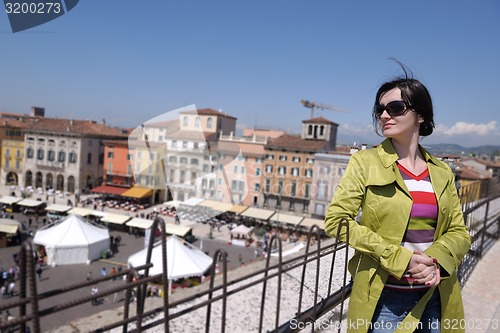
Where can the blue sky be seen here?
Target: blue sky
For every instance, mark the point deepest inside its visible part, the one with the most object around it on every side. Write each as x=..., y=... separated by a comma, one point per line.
x=129, y=61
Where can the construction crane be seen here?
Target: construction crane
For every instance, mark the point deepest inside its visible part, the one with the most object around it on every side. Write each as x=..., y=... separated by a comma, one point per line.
x=314, y=105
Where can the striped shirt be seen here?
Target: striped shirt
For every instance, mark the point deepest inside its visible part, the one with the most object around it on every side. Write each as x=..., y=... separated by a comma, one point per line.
x=422, y=225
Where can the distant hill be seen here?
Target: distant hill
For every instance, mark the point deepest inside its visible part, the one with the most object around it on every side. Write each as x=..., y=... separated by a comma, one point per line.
x=450, y=148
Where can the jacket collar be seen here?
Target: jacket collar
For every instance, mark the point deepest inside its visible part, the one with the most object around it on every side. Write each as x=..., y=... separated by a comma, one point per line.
x=388, y=155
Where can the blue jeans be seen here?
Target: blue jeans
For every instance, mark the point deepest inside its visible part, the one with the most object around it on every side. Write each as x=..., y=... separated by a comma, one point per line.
x=393, y=306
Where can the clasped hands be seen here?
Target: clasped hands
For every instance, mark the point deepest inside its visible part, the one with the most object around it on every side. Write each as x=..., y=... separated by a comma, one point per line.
x=424, y=269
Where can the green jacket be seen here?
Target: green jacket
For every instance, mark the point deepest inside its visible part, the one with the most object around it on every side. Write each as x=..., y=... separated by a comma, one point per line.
x=373, y=182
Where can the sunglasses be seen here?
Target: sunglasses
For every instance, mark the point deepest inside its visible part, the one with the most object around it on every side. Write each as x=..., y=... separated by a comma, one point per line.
x=394, y=109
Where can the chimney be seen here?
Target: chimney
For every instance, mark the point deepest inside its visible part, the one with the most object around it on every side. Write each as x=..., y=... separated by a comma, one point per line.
x=354, y=148
x=37, y=111
x=363, y=146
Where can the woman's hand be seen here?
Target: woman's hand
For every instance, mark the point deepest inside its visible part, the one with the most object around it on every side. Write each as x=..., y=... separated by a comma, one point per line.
x=424, y=269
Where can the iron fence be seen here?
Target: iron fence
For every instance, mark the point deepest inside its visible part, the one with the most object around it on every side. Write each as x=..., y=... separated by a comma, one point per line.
x=321, y=283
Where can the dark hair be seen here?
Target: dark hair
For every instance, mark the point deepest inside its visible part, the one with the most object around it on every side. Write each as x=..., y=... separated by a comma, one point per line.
x=415, y=94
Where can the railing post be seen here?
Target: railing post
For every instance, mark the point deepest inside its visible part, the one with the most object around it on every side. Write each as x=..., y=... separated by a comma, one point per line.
x=483, y=230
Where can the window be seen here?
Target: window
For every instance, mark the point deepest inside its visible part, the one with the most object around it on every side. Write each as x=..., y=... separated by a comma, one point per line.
x=184, y=144
x=129, y=169
x=270, y=156
x=110, y=154
x=280, y=187
x=209, y=122
x=7, y=164
x=341, y=171
x=40, y=154
x=197, y=122
x=293, y=191
x=193, y=176
x=51, y=155
x=174, y=143
x=242, y=169
x=282, y=170
x=18, y=153
x=185, y=121
x=282, y=157
x=72, y=157
x=309, y=130
x=30, y=152
x=309, y=173
x=307, y=190
x=194, y=161
x=18, y=165
x=110, y=167
x=310, y=160
x=322, y=191
x=89, y=158
x=259, y=160
x=235, y=169
x=172, y=159
x=257, y=172
x=257, y=187
x=295, y=172
x=195, y=145
x=268, y=185
x=296, y=159
x=129, y=157
x=183, y=160
x=269, y=168
x=61, y=156
x=7, y=152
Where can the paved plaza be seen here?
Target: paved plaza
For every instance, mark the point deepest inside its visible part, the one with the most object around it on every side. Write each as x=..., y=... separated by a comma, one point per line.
x=53, y=278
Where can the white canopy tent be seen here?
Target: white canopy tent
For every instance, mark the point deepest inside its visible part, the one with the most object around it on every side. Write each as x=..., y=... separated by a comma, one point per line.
x=183, y=260
x=72, y=241
x=241, y=230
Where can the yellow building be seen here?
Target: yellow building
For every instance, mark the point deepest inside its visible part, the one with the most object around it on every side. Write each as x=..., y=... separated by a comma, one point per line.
x=12, y=162
x=12, y=148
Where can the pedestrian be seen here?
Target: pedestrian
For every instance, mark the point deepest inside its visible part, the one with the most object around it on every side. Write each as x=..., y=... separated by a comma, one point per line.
x=94, y=291
x=89, y=276
x=103, y=271
x=39, y=272
x=411, y=236
x=12, y=288
x=240, y=259
x=177, y=219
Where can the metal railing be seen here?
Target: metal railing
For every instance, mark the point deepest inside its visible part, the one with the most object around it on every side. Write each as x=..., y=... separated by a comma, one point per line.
x=317, y=283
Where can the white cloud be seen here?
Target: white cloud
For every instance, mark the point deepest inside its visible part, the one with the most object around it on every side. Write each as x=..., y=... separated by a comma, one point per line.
x=462, y=128
x=350, y=129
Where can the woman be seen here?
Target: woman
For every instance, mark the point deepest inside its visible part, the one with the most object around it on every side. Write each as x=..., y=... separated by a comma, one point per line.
x=411, y=236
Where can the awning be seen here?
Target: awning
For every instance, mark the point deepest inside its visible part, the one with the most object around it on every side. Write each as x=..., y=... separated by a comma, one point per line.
x=286, y=218
x=58, y=208
x=8, y=200
x=140, y=223
x=217, y=205
x=107, y=189
x=193, y=201
x=137, y=192
x=178, y=230
x=9, y=226
x=115, y=218
x=85, y=212
x=308, y=222
x=238, y=209
x=172, y=203
x=30, y=203
x=258, y=213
